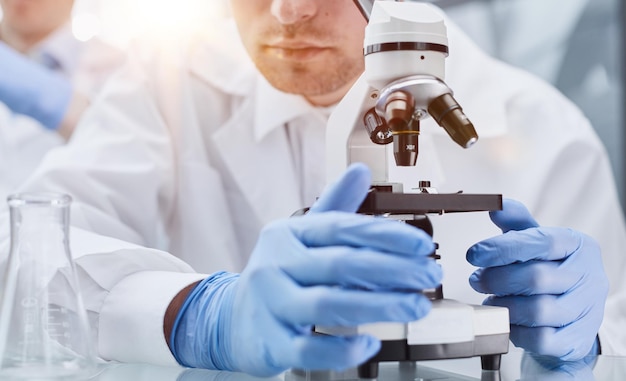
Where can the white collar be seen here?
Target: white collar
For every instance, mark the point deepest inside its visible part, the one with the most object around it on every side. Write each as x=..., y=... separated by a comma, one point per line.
x=60, y=46
x=274, y=108
x=234, y=73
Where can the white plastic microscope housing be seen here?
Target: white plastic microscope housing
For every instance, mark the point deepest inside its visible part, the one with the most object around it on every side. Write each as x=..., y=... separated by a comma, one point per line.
x=391, y=23
x=406, y=42
x=407, y=22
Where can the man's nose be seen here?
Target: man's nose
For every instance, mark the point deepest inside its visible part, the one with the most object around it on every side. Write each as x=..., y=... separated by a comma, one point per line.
x=289, y=12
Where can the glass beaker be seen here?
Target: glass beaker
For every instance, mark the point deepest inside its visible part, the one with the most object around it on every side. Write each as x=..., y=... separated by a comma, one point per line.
x=44, y=332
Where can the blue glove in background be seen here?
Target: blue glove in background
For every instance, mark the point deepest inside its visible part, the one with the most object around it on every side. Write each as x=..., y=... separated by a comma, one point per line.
x=551, y=279
x=30, y=89
x=330, y=267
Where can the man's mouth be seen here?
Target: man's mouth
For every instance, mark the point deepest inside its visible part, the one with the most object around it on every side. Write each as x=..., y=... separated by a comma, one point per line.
x=297, y=51
x=298, y=54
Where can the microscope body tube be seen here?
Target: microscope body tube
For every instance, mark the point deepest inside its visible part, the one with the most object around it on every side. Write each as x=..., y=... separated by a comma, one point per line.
x=405, y=41
x=405, y=48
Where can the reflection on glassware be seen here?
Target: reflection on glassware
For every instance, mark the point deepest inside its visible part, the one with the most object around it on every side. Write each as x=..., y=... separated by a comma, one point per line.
x=44, y=332
x=146, y=372
x=538, y=367
x=389, y=371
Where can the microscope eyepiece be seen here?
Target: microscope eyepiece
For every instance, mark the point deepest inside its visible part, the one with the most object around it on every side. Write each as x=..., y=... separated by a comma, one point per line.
x=449, y=115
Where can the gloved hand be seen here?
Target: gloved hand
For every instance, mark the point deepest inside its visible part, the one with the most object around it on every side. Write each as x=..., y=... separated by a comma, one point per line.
x=551, y=280
x=332, y=268
x=30, y=89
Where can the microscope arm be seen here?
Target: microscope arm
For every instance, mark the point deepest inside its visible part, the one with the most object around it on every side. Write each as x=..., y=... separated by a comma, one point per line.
x=365, y=6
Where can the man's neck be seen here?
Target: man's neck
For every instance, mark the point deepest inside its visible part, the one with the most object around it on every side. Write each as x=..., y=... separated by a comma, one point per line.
x=23, y=43
x=332, y=98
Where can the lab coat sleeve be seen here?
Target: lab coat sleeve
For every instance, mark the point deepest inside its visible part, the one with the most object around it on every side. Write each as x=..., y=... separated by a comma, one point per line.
x=129, y=288
x=119, y=164
x=126, y=290
x=119, y=169
x=131, y=319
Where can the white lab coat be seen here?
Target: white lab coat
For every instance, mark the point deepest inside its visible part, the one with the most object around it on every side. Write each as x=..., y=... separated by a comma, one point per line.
x=23, y=141
x=187, y=153
x=512, y=28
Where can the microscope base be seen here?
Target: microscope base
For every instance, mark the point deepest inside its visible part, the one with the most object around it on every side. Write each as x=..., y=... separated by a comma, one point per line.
x=451, y=330
x=489, y=348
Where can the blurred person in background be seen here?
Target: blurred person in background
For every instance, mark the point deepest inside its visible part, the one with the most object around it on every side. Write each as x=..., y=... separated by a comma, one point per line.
x=47, y=78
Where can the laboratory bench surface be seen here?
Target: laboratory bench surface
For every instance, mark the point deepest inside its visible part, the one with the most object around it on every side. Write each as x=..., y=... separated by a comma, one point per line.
x=516, y=365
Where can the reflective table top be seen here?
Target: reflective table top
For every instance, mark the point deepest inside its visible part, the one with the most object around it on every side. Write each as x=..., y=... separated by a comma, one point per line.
x=516, y=365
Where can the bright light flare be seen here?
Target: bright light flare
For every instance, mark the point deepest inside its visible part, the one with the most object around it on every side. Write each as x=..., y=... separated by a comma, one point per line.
x=85, y=26
x=158, y=19
x=171, y=16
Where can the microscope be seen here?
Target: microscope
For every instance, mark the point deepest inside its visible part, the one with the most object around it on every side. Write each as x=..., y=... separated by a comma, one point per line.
x=405, y=50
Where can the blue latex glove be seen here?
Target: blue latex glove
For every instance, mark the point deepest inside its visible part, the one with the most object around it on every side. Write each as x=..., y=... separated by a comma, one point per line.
x=30, y=89
x=551, y=280
x=332, y=268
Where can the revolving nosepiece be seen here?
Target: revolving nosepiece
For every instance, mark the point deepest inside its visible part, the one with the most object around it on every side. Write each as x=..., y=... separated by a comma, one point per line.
x=449, y=115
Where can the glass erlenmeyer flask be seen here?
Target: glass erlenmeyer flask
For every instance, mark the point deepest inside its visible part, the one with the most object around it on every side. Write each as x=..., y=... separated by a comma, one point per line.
x=44, y=332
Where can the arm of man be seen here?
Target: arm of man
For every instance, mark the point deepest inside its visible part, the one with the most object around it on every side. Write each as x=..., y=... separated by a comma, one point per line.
x=127, y=290
x=302, y=273
x=331, y=267
x=119, y=165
